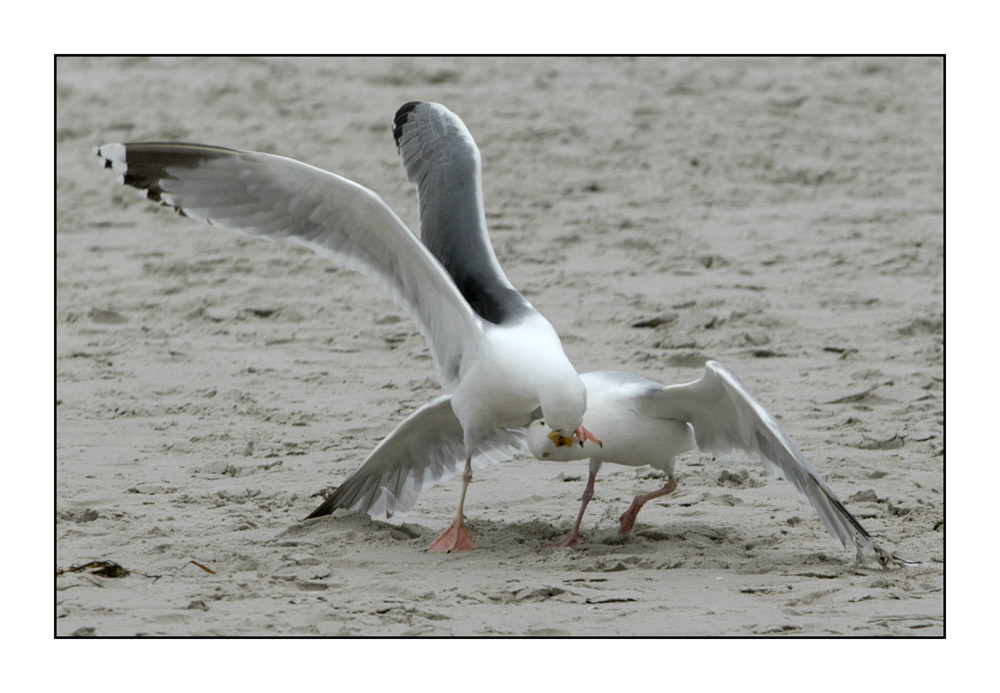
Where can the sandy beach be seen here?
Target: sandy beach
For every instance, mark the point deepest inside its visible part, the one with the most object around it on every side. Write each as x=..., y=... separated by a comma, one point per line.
x=783, y=216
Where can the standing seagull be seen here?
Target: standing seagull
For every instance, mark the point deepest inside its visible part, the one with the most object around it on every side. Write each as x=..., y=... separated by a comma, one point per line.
x=496, y=355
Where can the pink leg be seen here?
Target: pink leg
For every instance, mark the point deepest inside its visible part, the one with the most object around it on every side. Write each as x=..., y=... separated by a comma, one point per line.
x=627, y=519
x=573, y=539
x=457, y=537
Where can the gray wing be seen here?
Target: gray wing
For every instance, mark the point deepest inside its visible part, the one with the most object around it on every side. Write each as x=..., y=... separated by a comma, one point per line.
x=425, y=450
x=442, y=160
x=727, y=419
x=274, y=197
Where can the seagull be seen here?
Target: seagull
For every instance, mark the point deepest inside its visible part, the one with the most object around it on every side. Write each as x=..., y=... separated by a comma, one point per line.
x=642, y=423
x=499, y=359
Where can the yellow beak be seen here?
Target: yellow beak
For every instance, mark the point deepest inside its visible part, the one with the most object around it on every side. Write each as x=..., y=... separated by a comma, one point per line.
x=579, y=436
x=560, y=440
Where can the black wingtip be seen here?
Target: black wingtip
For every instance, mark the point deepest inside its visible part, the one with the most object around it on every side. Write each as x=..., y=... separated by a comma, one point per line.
x=844, y=511
x=401, y=118
x=321, y=511
x=406, y=108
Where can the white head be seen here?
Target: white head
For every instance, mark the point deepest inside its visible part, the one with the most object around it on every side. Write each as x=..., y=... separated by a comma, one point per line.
x=543, y=444
x=556, y=385
x=561, y=426
x=563, y=400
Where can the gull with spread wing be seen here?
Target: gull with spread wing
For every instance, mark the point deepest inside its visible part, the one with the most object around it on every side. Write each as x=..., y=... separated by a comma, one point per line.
x=644, y=422
x=500, y=360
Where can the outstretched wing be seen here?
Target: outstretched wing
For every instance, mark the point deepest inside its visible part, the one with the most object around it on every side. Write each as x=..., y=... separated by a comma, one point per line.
x=274, y=197
x=425, y=450
x=442, y=160
x=727, y=419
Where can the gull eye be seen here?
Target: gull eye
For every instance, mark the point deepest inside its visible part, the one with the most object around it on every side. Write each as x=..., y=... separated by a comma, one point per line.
x=545, y=454
x=541, y=423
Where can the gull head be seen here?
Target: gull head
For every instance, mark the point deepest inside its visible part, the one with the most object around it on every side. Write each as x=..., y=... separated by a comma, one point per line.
x=563, y=404
x=563, y=399
x=560, y=446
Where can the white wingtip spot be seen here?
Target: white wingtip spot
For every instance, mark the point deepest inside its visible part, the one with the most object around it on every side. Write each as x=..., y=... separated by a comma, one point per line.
x=113, y=154
x=115, y=151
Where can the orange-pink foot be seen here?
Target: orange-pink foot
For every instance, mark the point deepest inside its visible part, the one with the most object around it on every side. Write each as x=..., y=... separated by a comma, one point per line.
x=627, y=520
x=455, y=538
x=573, y=540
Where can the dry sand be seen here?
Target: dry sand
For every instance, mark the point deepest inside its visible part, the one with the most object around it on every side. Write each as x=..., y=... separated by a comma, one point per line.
x=783, y=216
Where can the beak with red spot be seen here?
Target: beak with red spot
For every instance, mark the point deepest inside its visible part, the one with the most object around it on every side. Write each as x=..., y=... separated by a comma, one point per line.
x=580, y=436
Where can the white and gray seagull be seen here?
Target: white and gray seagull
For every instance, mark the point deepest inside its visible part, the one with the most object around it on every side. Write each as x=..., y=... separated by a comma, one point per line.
x=641, y=422
x=501, y=361
x=644, y=422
